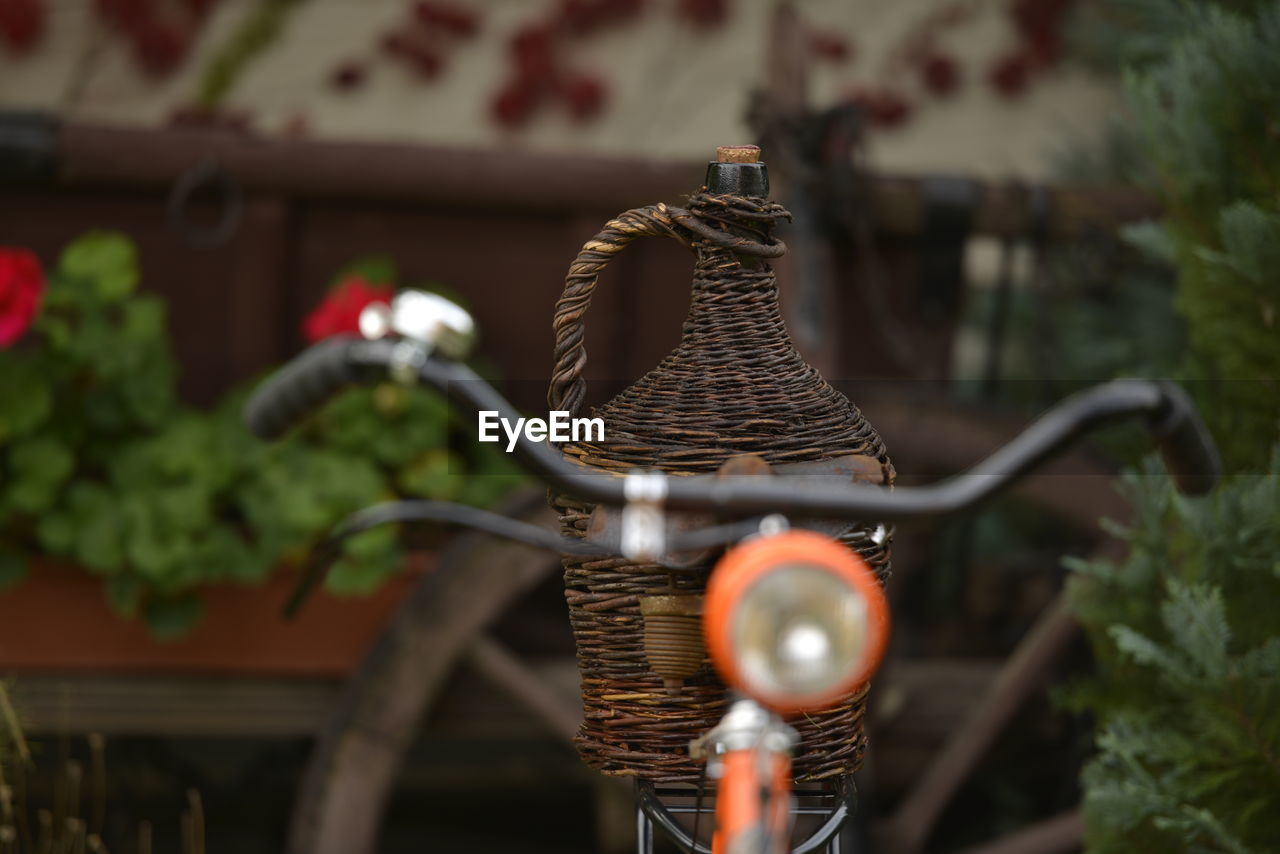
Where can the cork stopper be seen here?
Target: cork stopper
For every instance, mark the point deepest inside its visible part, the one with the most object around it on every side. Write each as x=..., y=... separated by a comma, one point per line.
x=738, y=154
x=737, y=170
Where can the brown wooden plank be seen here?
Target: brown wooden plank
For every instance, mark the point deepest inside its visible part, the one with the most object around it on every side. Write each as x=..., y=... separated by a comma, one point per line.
x=94, y=155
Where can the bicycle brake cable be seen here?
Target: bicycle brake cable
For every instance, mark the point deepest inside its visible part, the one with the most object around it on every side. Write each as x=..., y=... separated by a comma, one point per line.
x=461, y=515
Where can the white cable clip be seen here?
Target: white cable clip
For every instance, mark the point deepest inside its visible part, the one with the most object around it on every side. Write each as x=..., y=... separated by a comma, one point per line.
x=644, y=526
x=773, y=525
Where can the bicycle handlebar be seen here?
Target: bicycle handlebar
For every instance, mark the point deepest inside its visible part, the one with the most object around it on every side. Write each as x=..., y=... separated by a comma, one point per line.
x=313, y=376
x=1171, y=418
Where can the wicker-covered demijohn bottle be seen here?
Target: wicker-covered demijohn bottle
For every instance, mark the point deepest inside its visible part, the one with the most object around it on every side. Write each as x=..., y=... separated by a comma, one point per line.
x=735, y=386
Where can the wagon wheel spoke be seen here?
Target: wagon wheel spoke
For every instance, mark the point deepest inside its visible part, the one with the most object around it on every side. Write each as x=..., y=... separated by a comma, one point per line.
x=1057, y=835
x=352, y=771
x=907, y=830
x=1081, y=502
x=497, y=663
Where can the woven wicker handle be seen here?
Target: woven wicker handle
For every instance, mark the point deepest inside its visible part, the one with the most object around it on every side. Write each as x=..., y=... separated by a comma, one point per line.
x=568, y=388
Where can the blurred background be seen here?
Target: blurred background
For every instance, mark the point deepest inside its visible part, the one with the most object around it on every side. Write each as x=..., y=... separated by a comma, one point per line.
x=996, y=202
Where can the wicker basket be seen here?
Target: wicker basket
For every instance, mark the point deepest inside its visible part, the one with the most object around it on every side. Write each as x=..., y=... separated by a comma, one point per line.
x=734, y=385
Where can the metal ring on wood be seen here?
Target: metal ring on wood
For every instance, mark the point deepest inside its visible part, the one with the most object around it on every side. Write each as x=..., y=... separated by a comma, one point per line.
x=207, y=174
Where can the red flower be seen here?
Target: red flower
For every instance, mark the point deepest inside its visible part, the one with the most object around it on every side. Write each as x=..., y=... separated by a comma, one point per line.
x=339, y=312
x=21, y=286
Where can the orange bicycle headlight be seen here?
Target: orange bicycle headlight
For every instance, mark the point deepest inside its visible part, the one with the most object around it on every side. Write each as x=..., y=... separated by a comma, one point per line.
x=795, y=621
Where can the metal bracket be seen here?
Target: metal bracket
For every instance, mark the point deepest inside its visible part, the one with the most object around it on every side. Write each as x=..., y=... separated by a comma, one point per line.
x=407, y=357
x=28, y=146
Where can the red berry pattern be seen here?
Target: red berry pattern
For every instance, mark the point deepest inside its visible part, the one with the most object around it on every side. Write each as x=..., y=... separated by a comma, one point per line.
x=583, y=95
x=584, y=17
x=541, y=74
x=22, y=24
x=513, y=105
x=421, y=42
x=349, y=76
x=830, y=47
x=883, y=108
x=1010, y=75
x=159, y=46
x=940, y=74
x=160, y=34
x=704, y=13
x=1037, y=23
x=452, y=19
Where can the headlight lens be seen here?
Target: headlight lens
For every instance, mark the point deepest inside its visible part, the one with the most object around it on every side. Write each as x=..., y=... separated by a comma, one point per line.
x=798, y=630
x=795, y=621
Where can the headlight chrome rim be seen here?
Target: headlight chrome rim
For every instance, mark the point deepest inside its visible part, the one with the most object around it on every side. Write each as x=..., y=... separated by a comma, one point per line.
x=744, y=566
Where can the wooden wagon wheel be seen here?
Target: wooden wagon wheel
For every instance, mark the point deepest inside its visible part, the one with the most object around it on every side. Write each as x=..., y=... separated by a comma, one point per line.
x=353, y=768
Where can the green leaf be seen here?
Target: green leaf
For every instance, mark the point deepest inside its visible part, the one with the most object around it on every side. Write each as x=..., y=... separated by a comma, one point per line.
x=224, y=554
x=432, y=475
x=1146, y=651
x=1197, y=619
x=98, y=543
x=25, y=397
x=173, y=617
x=1151, y=238
x=14, y=568
x=39, y=467
x=56, y=532
x=1262, y=662
x=124, y=594
x=156, y=547
x=143, y=319
x=368, y=560
x=107, y=259
x=375, y=269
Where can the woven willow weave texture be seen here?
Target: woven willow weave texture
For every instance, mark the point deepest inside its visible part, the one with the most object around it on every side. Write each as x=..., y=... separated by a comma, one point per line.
x=735, y=385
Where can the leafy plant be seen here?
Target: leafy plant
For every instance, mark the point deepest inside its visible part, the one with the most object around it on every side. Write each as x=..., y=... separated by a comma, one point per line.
x=1184, y=630
x=1204, y=115
x=1188, y=651
x=102, y=466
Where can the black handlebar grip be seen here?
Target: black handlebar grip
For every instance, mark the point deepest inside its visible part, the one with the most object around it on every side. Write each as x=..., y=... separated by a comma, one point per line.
x=1185, y=443
x=296, y=390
